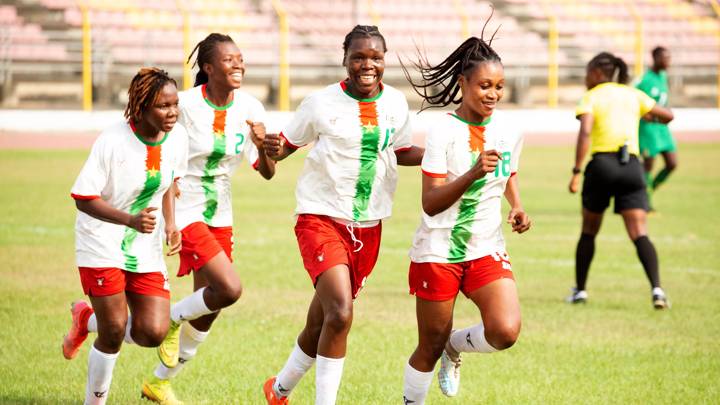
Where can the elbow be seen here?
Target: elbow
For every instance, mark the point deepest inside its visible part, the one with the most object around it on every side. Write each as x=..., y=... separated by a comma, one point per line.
x=430, y=210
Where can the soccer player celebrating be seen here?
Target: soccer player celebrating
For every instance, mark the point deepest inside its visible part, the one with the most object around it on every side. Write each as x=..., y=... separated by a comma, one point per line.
x=224, y=125
x=655, y=137
x=127, y=176
x=471, y=162
x=361, y=132
x=609, y=113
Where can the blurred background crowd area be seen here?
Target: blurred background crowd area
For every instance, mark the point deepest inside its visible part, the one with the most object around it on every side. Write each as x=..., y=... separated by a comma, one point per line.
x=71, y=54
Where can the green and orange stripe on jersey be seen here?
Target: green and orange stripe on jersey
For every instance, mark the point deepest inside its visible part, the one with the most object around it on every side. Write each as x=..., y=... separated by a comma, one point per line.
x=368, y=152
x=153, y=179
x=218, y=152
x=462, y=230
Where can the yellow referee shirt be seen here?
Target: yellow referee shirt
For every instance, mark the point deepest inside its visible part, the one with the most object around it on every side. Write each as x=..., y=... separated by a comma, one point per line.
x=616, y=109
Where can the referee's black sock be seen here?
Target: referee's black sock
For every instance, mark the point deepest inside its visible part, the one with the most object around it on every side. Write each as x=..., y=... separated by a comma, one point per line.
x=648, y=257
x=583, y=257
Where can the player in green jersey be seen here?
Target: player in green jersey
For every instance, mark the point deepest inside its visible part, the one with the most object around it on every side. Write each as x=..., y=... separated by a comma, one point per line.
x=655, y=137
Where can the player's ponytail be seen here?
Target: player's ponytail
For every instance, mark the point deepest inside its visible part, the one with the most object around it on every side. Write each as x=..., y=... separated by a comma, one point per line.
x=205, y=49
x=612, y=67
x=439, y=85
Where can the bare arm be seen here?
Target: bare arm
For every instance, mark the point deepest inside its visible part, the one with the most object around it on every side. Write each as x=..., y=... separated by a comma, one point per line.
x=581, y=149
x=411, y=156
x=438, y=194
x=143, y=221
x=659, y=114
x=517, y=218
x=172, y=235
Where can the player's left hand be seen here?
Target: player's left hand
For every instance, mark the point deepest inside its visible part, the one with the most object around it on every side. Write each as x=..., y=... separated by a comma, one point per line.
x=257, y=133
x=519, y=220
x=173, y=238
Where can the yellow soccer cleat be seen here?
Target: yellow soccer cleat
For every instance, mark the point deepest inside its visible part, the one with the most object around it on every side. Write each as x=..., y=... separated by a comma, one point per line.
x=169, y=349
x=159, y=391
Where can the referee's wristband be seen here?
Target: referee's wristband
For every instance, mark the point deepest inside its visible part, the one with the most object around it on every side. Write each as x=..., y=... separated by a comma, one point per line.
x=575, y=170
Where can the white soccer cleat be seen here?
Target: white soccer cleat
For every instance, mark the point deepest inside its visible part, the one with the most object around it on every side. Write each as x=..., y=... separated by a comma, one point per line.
x=577, y=297
x=449, y=375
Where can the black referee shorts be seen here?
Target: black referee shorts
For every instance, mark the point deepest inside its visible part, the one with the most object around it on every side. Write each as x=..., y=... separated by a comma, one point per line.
x=605, y=177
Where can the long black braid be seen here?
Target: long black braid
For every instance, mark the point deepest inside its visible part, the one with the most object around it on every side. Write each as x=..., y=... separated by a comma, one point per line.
x=471, y=53
x=615, y=69
x=205, y=49
x=362, y=31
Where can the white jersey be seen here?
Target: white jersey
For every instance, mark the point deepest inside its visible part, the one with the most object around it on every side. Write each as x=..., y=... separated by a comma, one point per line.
x=219, y=138
x=351, y=171
x=470, y=228
x=130, y=175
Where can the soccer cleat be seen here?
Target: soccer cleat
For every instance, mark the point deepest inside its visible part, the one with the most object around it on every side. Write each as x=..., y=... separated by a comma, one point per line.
x=80, y=311
x=169, y=349
x=659, y=299
x=160, y=391
x=449, y=375
x=271, y=396
x=577, y=297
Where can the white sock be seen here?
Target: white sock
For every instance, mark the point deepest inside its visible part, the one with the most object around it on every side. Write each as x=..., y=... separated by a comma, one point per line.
x=328, y=373
x=190, y=339
x=416, y=385
x=189, y=308
x=298, y=363
x=100, y=369
x=471, y=339
x=92, y=324
x=128, y=331
x=658, y=291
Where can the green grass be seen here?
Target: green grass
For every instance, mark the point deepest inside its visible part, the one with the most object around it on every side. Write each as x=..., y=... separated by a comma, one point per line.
x=614, y=349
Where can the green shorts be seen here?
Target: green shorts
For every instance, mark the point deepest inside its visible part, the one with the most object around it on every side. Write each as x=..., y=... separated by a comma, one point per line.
x=655, y=138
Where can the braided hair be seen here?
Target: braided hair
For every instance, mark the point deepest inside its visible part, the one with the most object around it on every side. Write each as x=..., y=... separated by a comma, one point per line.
x=615, y=69
x=144, y=90
x=205, y=50
x=462, y=61
x=362, y=31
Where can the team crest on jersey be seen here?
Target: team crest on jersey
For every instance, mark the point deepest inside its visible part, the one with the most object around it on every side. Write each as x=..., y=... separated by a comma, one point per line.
x=100, y=281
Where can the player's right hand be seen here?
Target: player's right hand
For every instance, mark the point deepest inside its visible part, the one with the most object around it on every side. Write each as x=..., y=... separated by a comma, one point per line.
x=272, y=144
x=143, y=221
x=486, y=163
x=574, y=185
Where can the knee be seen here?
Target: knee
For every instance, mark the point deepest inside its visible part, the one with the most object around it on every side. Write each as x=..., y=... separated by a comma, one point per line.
x=230, y=293
x=433, y=346
x=339, y=318
x=671, y=165
x=503, y=336
x=149, y=335
x=113, y=333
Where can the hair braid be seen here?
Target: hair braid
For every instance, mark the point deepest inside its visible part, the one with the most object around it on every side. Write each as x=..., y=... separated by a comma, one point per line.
x=444, y=75
x=362, y=31
x=205, y=50
x=615, y=69
x=144, y=90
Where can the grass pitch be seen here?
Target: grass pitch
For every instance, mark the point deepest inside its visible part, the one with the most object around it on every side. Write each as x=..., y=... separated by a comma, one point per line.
x=614, y=349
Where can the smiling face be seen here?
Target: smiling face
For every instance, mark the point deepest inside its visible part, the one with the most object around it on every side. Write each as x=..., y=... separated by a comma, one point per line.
x=482, y=89
x=226, y=67
x=162, y=114
x=365, y=64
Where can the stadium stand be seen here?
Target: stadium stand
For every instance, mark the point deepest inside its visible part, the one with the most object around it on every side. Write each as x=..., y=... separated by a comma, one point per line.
x=41, y=47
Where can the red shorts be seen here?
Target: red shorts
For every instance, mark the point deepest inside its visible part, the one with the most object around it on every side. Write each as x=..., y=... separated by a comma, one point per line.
x=442, y=281
x=105, y=281
x=325, y=243
x=200, y=243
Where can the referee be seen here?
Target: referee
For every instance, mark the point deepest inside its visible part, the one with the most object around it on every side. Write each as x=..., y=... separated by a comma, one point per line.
x=609, y=113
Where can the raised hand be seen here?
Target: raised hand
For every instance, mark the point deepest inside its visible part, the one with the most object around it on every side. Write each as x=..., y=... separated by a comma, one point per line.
x=257, y=133
x=486, y=163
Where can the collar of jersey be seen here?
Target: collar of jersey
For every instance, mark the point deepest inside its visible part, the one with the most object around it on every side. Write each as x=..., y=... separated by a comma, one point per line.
x=140, y=138
x=363, y=100
x=474, y=124
x=213, y=106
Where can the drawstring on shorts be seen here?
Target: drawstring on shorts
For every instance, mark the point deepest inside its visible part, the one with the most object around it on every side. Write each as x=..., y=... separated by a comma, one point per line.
x=350, y=226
